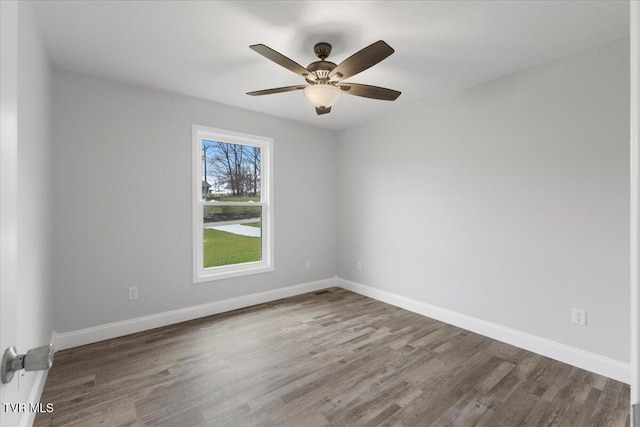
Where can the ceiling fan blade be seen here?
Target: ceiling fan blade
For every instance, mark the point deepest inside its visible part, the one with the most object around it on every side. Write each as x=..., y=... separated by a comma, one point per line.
x=325, y=110
x=361, y=60
x=280, y=59
x=276, y=90
x=368, y=91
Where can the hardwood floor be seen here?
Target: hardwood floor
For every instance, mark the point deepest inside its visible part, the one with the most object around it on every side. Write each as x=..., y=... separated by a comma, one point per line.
x=330, y=358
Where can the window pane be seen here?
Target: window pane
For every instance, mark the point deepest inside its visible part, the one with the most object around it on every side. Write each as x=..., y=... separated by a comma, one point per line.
x=231, y=235
x=230, y=172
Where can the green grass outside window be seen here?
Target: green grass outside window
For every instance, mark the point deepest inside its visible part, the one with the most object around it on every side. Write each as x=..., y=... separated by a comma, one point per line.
x=222, y=248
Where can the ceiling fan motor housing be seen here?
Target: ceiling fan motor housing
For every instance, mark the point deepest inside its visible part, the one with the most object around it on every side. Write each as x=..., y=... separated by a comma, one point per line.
x=321, y=69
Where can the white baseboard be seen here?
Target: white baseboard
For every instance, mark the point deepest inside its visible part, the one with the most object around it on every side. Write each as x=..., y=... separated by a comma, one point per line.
x=29, y=417
x=139, y=324
x=592, y=362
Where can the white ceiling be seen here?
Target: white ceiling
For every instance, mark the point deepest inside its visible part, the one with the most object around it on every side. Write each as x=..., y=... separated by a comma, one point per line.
x=201, y=48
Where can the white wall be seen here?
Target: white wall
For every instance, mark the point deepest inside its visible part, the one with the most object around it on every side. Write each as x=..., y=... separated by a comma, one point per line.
x=122, y=211
x=31, y=304
x=507, y=202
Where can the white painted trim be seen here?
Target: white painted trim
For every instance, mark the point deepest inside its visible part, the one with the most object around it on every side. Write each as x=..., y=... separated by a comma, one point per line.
x=634, y=195
x=592, y=362
x=582, y=359
x=139, y=324
x=35, y=394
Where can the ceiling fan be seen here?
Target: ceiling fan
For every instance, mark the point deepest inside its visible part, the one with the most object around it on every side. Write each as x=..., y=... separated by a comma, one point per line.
x=325, y=79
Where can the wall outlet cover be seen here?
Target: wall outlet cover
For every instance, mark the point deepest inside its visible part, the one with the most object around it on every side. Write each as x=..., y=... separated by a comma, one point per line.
x=579, y=316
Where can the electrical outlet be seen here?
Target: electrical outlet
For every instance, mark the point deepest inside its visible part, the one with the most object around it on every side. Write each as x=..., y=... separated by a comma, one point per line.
x=133, y=293
x=308, y=265
x=579, y=316
x=359, y=266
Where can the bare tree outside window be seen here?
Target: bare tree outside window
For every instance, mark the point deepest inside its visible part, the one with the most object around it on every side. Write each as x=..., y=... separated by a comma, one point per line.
x=232, y=170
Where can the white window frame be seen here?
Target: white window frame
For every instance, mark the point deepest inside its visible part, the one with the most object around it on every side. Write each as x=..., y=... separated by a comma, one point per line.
x=201, y=274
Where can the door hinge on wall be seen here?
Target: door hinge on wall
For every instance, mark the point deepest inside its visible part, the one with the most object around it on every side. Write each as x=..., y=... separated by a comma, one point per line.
x=635, y=413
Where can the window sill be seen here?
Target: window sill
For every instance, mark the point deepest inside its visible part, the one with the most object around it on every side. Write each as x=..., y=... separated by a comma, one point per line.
x=221, y=273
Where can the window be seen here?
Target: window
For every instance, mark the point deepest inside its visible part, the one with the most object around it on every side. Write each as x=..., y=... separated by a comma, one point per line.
x=232, y=222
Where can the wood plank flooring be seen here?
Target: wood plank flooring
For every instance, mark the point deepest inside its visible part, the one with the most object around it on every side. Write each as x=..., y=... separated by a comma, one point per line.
x=331, y=358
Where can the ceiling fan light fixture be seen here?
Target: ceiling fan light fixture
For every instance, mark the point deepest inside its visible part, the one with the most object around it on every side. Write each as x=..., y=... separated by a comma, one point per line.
x=325, y=79
x=322, y=95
